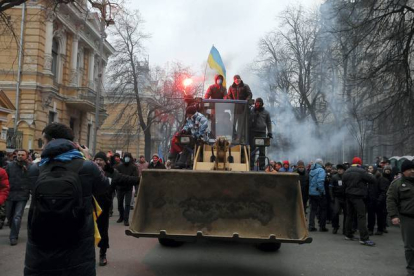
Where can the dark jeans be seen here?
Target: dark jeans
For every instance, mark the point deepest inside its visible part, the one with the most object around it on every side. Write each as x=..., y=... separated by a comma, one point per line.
x=407, y=230
x=262, y=150
x=2, y=212
x=338, y=205
x=356, y=206
x=124, y=196
x=103, y=225
x=317, y=204
x=375, y=214
x=15, y=210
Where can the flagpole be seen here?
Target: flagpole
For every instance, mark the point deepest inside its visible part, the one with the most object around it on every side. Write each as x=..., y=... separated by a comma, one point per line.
x=204, y=80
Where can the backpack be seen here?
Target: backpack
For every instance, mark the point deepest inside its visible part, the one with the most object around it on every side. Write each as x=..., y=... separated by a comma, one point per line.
x=58, y=212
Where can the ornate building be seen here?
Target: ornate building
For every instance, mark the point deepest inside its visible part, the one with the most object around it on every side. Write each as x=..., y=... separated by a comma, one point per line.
x=59, y=71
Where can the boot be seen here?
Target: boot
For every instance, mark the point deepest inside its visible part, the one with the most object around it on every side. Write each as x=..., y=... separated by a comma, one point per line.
x=102, y=257
x=120, y=220
x=335, y=230
x=1, y=224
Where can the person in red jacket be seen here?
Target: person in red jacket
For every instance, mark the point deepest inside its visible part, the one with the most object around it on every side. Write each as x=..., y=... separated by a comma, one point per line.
x=4, y=193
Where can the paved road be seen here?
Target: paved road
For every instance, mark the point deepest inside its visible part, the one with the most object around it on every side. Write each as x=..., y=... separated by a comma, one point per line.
x=328, y=255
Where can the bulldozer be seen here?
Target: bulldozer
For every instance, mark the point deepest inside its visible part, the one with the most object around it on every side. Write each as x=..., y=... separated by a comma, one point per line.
x=219, y=197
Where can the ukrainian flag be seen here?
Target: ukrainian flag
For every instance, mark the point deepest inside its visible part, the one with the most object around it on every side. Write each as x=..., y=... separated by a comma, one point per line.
x=215, y=63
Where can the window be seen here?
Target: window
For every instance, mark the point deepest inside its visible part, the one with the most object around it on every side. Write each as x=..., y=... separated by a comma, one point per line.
x=52, y=116
x=55, y=54
x=72, y=123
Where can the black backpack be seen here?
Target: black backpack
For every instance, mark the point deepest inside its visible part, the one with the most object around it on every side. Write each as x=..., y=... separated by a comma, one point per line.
x=57, y=208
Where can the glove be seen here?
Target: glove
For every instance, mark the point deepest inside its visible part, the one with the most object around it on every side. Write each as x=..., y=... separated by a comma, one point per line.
x=270, y=135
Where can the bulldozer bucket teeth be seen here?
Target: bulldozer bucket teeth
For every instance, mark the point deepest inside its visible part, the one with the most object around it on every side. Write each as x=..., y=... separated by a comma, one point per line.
x=238, y=206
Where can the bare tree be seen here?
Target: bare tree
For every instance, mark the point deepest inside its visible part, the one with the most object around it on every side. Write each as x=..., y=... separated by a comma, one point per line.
x=147, y=98
x=288, y=57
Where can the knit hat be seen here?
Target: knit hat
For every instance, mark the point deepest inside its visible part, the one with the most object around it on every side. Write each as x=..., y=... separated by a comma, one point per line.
x=357, y=161
x=319, y=161
x=285, y=162
x=300, y=163
x=236, y=77
x=340, y=166
x=407, y=165
x=102, y=156
x=191, y=110
x=155, y=154
x=117, y=155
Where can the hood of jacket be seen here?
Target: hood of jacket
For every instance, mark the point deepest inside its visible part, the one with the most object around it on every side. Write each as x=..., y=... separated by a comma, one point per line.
x=314, y=169
x=57, y=147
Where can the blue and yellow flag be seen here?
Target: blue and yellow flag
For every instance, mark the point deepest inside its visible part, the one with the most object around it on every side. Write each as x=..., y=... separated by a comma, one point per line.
x=215, y=63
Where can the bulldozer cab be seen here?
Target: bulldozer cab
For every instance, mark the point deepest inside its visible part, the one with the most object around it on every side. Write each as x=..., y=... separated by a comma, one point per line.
x=220, y=198
x=225, y=146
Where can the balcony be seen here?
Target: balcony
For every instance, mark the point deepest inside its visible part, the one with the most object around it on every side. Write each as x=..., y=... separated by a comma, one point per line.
x=84, y=100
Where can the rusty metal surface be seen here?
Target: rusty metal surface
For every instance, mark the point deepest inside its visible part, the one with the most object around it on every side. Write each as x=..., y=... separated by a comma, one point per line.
x=246, y=205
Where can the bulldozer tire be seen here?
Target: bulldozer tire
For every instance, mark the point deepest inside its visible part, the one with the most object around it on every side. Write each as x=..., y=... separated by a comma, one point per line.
x=269, y=247
x=170, y=242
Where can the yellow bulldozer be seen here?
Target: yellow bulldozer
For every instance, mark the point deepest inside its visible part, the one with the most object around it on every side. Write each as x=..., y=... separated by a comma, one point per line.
x=219, y=198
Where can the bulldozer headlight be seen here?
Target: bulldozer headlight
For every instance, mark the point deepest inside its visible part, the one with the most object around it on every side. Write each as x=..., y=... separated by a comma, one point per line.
x=184, y=140
x=259, y=142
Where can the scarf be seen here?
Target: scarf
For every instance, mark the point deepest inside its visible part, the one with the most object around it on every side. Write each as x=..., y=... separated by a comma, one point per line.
x=64, y=157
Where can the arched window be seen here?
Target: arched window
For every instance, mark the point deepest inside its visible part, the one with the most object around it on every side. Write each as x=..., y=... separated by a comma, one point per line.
x=55, y=54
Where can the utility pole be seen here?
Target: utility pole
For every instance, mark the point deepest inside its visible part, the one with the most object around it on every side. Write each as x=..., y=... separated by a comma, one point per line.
x=102, y=7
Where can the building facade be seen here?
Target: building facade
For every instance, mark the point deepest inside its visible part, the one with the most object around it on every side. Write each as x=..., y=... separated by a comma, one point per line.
x=59, y=71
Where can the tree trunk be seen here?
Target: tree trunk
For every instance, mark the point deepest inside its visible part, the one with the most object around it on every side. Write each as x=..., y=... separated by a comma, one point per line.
x=148, y=145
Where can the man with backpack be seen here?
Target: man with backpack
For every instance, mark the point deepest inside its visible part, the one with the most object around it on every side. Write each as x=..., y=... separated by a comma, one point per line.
x=60, y=223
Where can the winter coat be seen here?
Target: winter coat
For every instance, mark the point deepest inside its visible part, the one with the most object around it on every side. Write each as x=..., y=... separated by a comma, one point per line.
x=260, y=120
x=19, y=181
x=159, y=165
x=4, y=186
x=400, y=198
x=316, y=180
x=197, y=124
x=239, y=92
x=141, y=167
x=303, y=179
x=383, y=186
x=79, y=259
x=118, y=179
x=355, y=180
x=336, y=187
x=282, y=169
x=373, y=192
x=216, y=91
x=128, y=169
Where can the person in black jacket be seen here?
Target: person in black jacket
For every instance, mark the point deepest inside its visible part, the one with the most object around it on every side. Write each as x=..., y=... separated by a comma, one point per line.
x=355, y=180
x=19, y=193
x=155, y=162
x=304, y=183
x=105, y=201
x=217, y=90
x=239, y=90
x=259, y=122
x=78, y=258
x=372, y=202
x=124, y=192
x=384, y=183
x=337, y=195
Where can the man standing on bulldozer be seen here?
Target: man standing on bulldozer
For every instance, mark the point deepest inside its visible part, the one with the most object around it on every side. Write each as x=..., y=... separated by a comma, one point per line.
x=217, y=90
x=259, y=122
x=196, y=125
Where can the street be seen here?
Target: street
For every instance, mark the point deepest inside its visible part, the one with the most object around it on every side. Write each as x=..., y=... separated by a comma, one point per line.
x=328, y=254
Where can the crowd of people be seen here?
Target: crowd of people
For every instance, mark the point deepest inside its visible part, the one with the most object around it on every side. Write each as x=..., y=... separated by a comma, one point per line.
x=366, y=196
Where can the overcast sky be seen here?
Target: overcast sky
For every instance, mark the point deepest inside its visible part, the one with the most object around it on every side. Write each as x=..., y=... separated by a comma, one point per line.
x=185, y=30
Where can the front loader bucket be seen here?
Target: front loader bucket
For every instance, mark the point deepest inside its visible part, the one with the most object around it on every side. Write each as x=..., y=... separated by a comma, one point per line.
x=240, y=206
